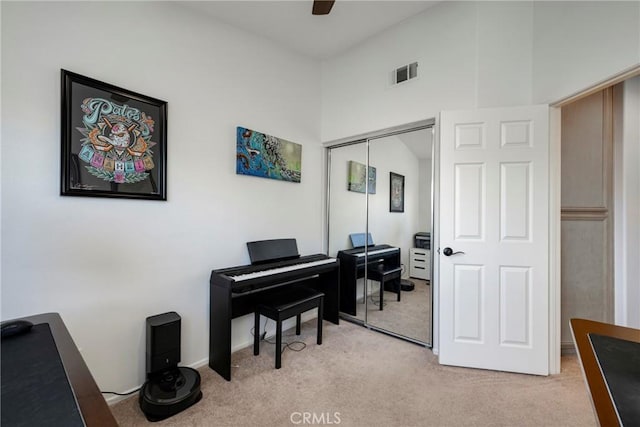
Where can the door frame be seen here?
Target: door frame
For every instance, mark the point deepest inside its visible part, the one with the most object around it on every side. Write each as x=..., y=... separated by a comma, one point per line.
x=555, y=218
x=555, y=144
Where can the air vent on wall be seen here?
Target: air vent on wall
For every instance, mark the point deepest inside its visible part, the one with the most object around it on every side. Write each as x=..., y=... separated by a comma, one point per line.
x=405, y=73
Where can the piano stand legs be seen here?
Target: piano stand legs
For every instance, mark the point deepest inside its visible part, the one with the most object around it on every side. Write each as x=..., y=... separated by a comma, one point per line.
x=256, y=334
x=278, y=344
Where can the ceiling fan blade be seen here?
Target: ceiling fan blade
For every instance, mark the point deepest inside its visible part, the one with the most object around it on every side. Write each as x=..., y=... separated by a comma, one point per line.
x=322, y=7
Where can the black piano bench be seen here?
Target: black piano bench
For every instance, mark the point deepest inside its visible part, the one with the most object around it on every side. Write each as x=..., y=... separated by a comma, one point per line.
x=379, y=274
x=283, y=305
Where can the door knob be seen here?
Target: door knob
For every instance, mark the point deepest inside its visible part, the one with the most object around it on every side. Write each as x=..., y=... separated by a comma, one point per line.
x=448, y=252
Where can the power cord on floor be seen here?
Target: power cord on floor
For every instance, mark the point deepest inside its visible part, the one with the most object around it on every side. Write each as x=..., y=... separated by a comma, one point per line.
x=264, y=329
x=121, y=394
x=285, y=345
x=377, y=302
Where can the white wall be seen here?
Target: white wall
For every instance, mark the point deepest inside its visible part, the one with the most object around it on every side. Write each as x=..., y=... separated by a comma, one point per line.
x=390, y=154
x=470, y=54
x=424, y=199
x=347, y=209
x=478, y=54
x=104, y=264
x=503, y=53
x=579, y=43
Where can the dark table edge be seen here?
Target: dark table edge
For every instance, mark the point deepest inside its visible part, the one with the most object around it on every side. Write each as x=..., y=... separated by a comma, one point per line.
x=93, y=407
x=600, y=397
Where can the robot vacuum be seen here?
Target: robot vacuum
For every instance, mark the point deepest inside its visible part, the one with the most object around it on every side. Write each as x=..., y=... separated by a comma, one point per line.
x=171, y=392
x=407, y=285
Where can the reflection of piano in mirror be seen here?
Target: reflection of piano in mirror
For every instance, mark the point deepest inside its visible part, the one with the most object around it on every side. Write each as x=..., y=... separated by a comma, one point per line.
x=352, y=267
x=275, y=265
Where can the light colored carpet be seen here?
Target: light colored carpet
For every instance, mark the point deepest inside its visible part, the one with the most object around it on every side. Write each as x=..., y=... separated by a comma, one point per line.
x=359, y=377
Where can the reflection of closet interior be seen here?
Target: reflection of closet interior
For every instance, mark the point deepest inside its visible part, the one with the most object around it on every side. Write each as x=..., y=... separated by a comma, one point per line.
x=381, y=187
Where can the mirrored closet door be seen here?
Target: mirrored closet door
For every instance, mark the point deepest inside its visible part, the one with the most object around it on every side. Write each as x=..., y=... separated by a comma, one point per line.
x=380, y=227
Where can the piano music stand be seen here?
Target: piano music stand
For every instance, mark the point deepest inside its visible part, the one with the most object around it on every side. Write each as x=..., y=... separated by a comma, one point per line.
x=358, y=240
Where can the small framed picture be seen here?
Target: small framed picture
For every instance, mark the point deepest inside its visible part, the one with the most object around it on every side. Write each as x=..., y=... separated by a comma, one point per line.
x=396, y=192
x=114, y=141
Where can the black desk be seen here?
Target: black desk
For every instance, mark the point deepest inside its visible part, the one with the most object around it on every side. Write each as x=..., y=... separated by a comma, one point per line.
x=352, y=268
x=50, y=332
x=610, y=359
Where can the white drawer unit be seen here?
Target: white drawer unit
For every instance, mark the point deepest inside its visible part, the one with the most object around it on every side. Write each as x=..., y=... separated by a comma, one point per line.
x=420, y=263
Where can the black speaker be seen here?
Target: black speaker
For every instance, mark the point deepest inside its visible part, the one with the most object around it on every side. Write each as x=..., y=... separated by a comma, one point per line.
x=163, y=342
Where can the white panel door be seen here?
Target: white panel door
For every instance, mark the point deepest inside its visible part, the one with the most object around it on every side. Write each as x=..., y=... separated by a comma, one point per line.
x=494, y=235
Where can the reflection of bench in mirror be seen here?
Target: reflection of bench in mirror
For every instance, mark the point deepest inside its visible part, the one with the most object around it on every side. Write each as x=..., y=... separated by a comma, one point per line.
x=610, y=360
x=352, y=267
x=380, y=273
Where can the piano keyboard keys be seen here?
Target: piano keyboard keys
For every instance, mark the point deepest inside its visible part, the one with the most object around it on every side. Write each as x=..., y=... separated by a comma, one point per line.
x=269, y=272
x=377, y=252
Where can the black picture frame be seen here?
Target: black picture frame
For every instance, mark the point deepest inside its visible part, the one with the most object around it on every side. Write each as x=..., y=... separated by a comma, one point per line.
x=114, y=141
x=396, y=192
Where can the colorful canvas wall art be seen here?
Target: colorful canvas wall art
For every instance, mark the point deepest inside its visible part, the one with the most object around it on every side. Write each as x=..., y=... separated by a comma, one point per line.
x=267, y=156
x=356, y=180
